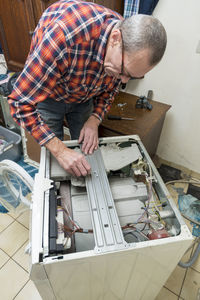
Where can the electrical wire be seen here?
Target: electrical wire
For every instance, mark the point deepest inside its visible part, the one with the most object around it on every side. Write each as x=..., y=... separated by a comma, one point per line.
x=71, y=231
x=75, y=224
x=148, y=201
x=183, y=181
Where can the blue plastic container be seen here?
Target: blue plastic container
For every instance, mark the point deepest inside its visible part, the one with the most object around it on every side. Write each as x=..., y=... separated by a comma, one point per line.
x=12, y=150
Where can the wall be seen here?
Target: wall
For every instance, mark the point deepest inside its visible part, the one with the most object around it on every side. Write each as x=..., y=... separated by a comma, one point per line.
x=176, y=81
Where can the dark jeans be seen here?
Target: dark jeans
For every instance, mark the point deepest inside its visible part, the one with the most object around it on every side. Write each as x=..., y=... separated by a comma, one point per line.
x=53, y=113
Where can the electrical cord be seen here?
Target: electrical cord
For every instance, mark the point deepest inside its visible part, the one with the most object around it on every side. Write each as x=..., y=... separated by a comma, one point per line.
x=183, y=181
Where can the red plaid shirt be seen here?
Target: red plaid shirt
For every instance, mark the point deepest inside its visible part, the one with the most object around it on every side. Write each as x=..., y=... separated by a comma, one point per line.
x=65, y=62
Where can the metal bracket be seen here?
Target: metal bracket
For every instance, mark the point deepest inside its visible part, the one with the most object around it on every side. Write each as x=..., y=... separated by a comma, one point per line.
x=107, y=230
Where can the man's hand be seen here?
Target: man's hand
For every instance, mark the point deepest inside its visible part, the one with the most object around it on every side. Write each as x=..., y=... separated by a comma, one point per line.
x=72, y=161
x=89, y=135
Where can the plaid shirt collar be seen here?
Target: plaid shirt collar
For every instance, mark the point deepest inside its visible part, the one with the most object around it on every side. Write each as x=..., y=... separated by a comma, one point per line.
x=102, y=42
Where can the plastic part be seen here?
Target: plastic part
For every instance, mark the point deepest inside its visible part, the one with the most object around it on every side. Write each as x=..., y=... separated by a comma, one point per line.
x=13, y=148
x=190, y=207
x=16, y=186
x=115, y=157
x=158, y=234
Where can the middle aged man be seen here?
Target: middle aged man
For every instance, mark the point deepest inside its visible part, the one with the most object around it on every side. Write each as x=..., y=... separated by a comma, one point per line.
x=80, y=53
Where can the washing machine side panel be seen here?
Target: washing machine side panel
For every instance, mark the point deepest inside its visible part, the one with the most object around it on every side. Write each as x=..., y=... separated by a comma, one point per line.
x=39, y=277
x=132, y=274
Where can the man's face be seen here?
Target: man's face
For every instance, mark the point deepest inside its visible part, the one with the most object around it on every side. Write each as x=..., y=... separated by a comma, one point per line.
x=120, y=64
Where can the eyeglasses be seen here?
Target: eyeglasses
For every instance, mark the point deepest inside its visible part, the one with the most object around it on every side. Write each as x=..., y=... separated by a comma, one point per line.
x=122, y=73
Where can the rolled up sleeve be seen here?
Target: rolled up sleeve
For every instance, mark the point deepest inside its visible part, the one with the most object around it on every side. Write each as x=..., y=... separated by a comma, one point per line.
x=37, y=81
x=103, y=102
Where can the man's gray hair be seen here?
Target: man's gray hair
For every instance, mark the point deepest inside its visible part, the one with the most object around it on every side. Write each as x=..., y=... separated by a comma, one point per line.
x=144, y=32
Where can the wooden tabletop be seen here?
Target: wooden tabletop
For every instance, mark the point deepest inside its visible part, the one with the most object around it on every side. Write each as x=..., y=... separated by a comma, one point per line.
x=124, y=106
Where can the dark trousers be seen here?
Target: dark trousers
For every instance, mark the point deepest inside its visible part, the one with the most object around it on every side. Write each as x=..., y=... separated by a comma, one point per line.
x=53, y=113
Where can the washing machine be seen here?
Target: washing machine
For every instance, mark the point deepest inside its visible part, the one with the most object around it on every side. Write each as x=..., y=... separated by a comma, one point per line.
x=114, y=235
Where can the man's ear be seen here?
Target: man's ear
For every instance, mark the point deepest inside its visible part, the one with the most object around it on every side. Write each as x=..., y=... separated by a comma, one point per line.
x=115, y=37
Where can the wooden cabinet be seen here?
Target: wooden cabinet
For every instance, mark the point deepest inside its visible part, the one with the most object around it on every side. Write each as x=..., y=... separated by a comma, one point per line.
x=16, y=24
x=39, y=6
x=18, y=19
x=147, y=124
x=115, y=5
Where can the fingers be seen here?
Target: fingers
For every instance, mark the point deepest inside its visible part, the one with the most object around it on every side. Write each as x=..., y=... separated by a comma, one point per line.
x=80, y=170
x=90, y=144
x=74, y=171
x=93, y=147
x=74, y=163
x=83, y=169
x=79, y=167
x=81, y=136
x=89, y=135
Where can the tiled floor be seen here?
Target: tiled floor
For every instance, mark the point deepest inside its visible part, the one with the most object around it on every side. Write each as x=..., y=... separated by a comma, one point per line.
x=14, y=266
x=14, y=262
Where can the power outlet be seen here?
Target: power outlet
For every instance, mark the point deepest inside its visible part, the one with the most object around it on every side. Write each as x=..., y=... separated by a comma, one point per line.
x=198, y=47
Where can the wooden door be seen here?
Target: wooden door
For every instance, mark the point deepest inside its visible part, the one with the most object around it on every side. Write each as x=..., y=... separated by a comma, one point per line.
x=16, y=27
x=39, y=6
x=116, y=5
x=18, y=19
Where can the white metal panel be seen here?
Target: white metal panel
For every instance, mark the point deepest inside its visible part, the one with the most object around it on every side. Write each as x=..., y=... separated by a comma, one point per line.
x=41, y=184
x=41, y=281
x=125, y=275
x=130, y=274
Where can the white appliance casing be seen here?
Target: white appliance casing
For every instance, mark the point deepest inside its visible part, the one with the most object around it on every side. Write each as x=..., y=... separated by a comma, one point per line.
x=138, y=272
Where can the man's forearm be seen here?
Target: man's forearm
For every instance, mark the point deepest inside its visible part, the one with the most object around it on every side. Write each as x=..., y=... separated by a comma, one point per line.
x=95, y=120
x=55, y=146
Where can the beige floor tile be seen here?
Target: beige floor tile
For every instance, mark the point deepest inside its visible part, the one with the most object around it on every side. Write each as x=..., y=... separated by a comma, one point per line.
x=175, y=281
x=22, y=258
x=165, y=294
x=3, y=258
x=21, y=209
x=29, y=292
x=24, y=218
x=191, y=285
x=13, y=237
x=14, y=215
x=5, y=220
x=12, y=279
